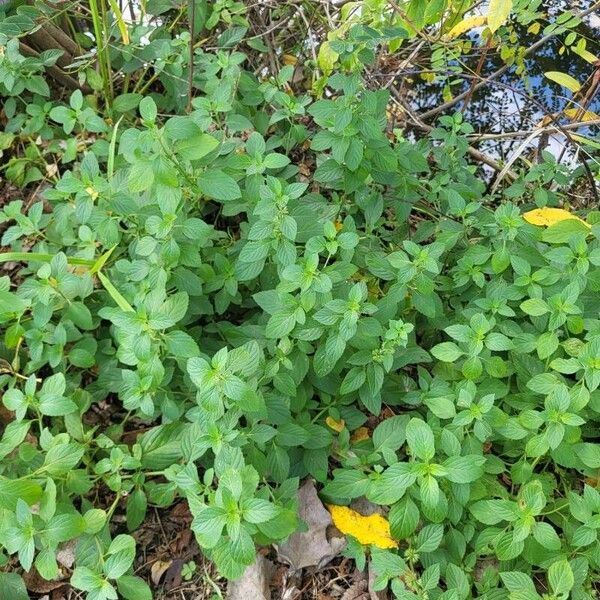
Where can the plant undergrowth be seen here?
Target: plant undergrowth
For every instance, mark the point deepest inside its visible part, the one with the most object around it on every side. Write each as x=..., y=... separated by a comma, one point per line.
x=273, y=286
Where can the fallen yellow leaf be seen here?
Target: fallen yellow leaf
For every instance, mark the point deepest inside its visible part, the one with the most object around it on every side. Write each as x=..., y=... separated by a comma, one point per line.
x=362, y=433
x=373, y=529
x=335, y=425
x=466, y=25
x=544, y=217
x=289, y=59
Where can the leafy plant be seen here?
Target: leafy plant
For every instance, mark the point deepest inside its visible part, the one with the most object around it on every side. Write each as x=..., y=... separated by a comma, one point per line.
x=270, y=286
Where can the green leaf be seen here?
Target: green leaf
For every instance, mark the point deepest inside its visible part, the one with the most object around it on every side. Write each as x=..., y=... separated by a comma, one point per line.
x=276, y=161
x=85, y=579
x=126, y=102
x=12, y=587
x=196, y=147
x=12, y=490
x=403, y=518
x=216, y=184
x=148, y=110
x=114, y=293
x=464, y=469
x=560, y=577
x=13, y=435
x=545, y=535
x=390, y=433
x=257, y=510
x=121, y=553
x=564, y=79
x=491, y=512
x=62, y=457
x=11, y=303
x=534, y=307
x=429, y=538
x=589, y=454
x=133, y=588
x=181, y=344
x=136, y=509
x=447, y=352
x=394, y=482
x=420, y=439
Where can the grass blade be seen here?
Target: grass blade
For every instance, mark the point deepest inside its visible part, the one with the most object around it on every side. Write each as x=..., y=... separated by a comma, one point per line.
x=114, y=293
x=38, y=257
x=120, y=21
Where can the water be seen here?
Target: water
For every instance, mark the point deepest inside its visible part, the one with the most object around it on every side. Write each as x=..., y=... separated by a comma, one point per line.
x=517, y=104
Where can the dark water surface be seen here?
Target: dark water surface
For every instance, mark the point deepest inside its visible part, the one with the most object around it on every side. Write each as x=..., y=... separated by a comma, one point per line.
x=497, y=108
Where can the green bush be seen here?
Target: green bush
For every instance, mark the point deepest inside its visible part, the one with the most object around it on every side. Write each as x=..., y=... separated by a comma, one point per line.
x=230, y=278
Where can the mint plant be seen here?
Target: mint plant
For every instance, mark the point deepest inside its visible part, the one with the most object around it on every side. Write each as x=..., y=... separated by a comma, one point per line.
x=232, y=276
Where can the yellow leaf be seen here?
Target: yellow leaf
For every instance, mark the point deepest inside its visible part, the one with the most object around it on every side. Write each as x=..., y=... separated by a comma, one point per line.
x=498, y=13
x=466, y=25
x=373, y=529
x=581, y=115
x=335, y=425
x=289, y=59
x=585, y=54
x=544, y=217
x=361, y=434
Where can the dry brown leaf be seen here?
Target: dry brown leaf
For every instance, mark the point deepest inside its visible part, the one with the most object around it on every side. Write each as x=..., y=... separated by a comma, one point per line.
x=362, y=433
x=310, y=548
x=335, y=425
x=37, y=584
x=66, y=554
x=357, y=591
x=254, y=583
x=158, y=569
x=173, y=577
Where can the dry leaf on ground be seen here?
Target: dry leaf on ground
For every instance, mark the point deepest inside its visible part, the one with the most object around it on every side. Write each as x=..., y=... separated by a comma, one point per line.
x=357, y=591
x=254, y=583
x=158, y=569
x=360, y=434
x=66, y=554
x=310, y=548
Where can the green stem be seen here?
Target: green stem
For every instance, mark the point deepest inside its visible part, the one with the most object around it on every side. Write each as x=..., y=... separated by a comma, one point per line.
x=102, y=50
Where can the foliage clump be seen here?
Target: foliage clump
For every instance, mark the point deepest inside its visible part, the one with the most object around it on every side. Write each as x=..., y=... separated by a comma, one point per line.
x=235, y=279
